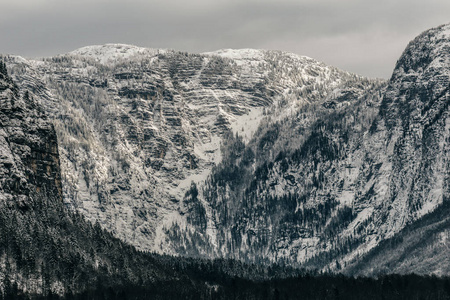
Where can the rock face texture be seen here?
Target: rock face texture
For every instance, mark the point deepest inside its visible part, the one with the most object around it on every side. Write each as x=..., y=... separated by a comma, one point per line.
x=29, y=161
x=136, y=126
x=45, y=249
x=414, y=122
x=355, y=177
x=256, y=155
x=31, y=202
x=42, y=246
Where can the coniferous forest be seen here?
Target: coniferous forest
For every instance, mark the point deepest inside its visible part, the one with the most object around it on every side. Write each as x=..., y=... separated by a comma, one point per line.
x=323, y=287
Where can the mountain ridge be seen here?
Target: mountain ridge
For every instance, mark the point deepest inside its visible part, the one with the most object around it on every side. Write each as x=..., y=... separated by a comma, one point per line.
x=173, y=104
x=334, y=163
x=366, y=186
x=50, y=252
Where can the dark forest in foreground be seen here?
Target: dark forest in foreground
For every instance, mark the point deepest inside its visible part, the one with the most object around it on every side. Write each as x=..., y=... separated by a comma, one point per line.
x=409, y=287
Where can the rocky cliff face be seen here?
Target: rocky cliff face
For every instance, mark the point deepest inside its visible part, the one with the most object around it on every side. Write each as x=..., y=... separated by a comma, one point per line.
x=45, y=249
x=39, y=239
x=414, y=125
x=136, y=126
x=256, y=155
x=289, y=194
x=30, y=190
x=29, y=162
x=324, y=188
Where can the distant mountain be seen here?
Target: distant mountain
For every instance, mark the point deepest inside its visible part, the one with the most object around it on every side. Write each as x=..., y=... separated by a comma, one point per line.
x=414, y=121
x=44, y=248
x=262, y=156
x=136, y=126
x=322, y=188
x=48, y=251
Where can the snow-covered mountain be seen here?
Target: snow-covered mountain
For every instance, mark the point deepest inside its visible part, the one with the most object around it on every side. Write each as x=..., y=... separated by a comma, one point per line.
x=414, y=123
x=250, y=154
x=44, y=248
x=136, y=126
x=48, y=251
x=325, y=186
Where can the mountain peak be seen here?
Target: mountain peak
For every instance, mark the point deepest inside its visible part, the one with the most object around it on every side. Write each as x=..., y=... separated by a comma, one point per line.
x=113, y=52
x=444, y=30
x=428, y=50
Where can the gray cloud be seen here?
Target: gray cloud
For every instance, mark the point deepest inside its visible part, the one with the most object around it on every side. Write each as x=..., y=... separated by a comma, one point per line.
x=360, y=36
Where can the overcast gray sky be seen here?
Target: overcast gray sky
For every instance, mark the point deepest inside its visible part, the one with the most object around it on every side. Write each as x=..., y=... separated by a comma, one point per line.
x=362, y=36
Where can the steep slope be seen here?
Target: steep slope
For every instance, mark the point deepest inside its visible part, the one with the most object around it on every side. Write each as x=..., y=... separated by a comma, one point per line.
x=47, y=250
x=421, y=248
x=326, y=187
x=414, y=118
x=250, y=154
x=414, y=114
x=137, y=125
x=44, y=248
x=286, y=195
